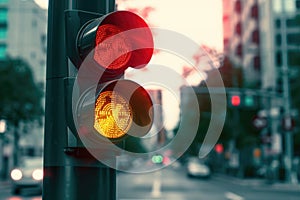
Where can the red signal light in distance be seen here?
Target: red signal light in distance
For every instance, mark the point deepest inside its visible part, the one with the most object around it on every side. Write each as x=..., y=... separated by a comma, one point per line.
x=235, y=100
x=219, y=148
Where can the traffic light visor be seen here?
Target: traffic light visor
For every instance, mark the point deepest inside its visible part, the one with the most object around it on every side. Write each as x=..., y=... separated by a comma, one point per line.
x=117, y=40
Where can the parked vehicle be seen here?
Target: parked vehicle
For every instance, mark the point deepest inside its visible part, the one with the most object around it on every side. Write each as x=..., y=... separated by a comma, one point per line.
x=197, y=168
x=28, y=175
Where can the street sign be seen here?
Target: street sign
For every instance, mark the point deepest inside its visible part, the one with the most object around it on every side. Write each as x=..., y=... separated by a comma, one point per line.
x=259, y=122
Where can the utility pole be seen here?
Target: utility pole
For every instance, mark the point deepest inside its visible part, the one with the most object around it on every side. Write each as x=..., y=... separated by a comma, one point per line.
x=286, y=96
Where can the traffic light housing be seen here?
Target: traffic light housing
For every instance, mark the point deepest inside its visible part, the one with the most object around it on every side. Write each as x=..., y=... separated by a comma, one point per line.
x=101, y=48
x=245, y=99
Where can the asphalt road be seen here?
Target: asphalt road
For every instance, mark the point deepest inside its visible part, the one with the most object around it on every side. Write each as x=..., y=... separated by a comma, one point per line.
x=172, y=183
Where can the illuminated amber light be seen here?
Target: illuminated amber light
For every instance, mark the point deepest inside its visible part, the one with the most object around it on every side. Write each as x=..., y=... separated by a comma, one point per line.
x=112, y=53
x=113, y=115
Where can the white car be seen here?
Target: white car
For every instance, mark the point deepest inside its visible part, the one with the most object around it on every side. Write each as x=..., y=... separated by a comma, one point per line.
x=197, y=168
x=28, y=175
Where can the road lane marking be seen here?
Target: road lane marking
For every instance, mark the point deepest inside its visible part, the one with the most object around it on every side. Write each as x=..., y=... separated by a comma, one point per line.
x=156, y=187
x=232, y=196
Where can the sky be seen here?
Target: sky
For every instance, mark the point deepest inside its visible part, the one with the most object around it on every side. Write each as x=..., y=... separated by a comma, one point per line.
x=199, y=20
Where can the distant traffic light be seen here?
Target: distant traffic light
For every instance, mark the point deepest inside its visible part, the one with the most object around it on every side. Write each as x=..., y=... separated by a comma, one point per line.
x=249, y=100
x=157, y=159
x=219, y=148
x=243, y=98
x=107, y=45
x=235, y=100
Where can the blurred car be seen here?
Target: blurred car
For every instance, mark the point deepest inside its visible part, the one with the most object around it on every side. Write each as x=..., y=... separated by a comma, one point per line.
x=197, y=168
x=28, y=175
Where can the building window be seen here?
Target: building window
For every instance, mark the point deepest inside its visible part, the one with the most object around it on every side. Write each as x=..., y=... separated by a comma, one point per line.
x=297, y=4
x=255, y=36
x=238, y=6
x=3, y=33
x=238, y=28
x=254, y=11
x=293, y=38
x=256, y=63
x=293, y=58
x=278, y=39
x=290, y=5
x=277, y=23
x=3, y=14
x=239, y=50
x=277, y=6
x=294, y=22
x=278, y=58
x=2, y=51
x=226, y=42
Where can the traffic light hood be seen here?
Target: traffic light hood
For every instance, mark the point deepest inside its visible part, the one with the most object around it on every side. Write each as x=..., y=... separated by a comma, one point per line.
x=117, y=41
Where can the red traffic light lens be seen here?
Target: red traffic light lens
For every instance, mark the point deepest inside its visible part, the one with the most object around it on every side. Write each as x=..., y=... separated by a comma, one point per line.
x=235, y=100
x=140, y=38
x=117, y=41
x=107, y=49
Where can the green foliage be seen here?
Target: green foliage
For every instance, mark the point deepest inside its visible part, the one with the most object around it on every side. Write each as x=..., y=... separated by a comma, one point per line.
x=20, y=97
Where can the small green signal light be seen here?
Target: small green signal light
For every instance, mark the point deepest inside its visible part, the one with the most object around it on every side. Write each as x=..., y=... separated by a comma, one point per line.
x=157, y=159
x=249, y=100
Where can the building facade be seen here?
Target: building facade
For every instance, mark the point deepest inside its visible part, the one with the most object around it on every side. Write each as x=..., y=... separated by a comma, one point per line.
x=27, y=35
x=278, y=21
x=3, y=28
x=241, y=37
x=23, y=32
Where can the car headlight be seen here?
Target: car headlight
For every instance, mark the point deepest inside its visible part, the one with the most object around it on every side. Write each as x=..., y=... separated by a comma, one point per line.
x=16, y=174
x=37, y=174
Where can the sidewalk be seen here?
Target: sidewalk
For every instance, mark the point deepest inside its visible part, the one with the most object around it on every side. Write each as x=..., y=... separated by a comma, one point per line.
x=260, y=184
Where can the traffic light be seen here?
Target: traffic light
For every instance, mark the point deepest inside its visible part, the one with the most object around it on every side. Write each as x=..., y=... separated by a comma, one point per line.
x=235, y=100
x=157, y=159
x=219, y=148
x=249, y=100
x=244, y=99
x=102, y=47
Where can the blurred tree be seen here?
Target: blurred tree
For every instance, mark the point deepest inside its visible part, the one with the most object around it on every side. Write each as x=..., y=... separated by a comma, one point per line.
x=20, y=97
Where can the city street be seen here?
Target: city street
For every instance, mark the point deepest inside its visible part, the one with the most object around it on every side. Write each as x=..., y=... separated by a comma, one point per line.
x=91, y=90
x=173, y=183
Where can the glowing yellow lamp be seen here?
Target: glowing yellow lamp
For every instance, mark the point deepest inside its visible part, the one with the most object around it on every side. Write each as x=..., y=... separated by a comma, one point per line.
x=113, y=115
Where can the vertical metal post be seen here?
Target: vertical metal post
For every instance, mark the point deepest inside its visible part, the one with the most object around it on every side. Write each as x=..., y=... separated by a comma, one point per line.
x=69, y=173
x=55, y=124
x=286, y=95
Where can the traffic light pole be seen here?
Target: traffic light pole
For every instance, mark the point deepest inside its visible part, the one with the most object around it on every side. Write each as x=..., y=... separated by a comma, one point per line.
x=70, y=173
x=286, y=96
x=55, y=124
